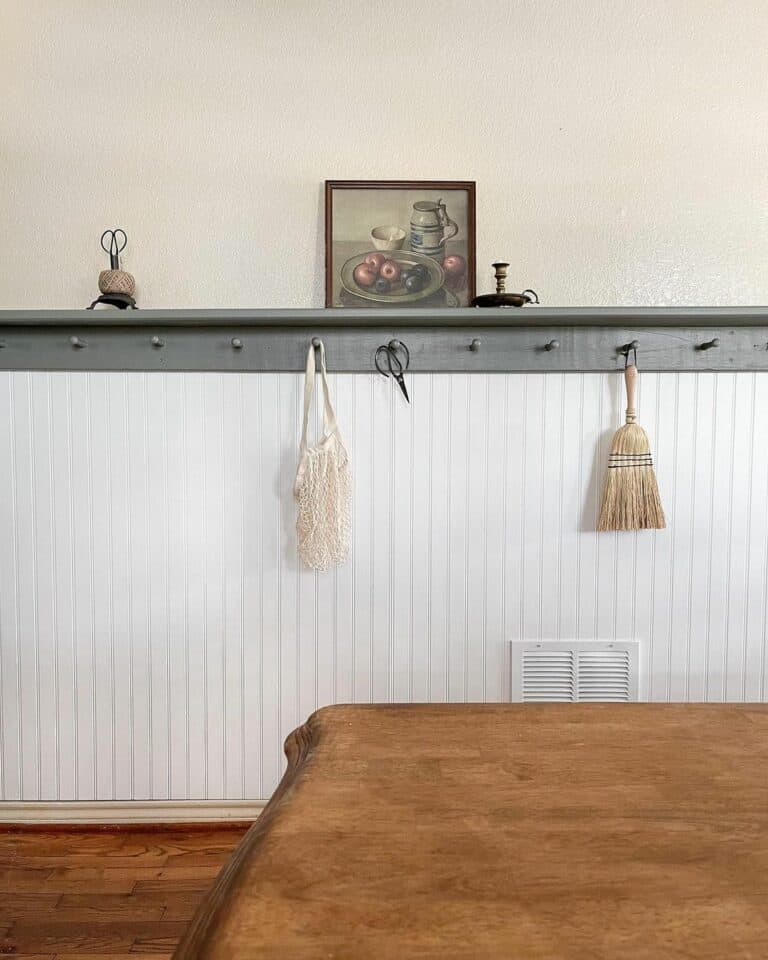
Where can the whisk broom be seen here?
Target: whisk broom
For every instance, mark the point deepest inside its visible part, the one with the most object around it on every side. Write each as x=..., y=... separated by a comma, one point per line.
x=631, y=496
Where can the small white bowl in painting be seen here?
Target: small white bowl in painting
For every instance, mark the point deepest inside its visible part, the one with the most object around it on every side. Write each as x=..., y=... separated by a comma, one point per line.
x=387, y=238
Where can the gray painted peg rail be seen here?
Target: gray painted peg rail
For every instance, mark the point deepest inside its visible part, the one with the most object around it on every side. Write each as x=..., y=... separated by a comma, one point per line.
x=532, y=339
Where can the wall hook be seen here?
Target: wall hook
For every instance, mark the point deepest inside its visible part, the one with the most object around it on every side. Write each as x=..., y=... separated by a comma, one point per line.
x=628, y=348
x=77, y=343
x=709, y=344
x=552, y=345
x=316, y=342
x=157, y=342
x=237, y=343
x=475, y=345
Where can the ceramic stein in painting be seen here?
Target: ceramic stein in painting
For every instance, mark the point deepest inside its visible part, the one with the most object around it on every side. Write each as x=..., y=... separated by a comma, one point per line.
x=399, y=243
x=430, y=228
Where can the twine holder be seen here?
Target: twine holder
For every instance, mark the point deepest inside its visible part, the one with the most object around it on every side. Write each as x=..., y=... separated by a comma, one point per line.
x=117, y=286
x=117, y=281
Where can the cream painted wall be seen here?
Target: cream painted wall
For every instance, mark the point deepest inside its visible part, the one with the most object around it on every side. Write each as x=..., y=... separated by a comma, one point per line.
x=620, y=148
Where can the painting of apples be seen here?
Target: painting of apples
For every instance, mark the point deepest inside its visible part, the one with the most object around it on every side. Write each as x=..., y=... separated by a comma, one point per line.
x=399, y=243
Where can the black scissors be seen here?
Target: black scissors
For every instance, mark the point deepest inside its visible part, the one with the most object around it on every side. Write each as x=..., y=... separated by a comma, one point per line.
x=115, y=247
x=394, y=366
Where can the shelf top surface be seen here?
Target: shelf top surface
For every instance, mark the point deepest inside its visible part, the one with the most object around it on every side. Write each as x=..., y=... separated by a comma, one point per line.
x=350, y=318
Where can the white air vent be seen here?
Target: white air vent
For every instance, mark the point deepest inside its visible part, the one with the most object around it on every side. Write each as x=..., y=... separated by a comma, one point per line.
x=578, y=670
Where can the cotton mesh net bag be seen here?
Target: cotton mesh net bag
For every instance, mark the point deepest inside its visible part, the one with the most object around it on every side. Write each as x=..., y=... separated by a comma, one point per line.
x=323, y=483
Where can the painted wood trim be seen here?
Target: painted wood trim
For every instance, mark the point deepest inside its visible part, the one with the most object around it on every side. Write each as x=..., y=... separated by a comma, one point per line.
x=132, y=811
x=497, y=345
x=532, y=315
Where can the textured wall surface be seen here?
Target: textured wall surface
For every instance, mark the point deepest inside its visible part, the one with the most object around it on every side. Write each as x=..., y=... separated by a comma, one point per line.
x=620, y=148
x=159, y=639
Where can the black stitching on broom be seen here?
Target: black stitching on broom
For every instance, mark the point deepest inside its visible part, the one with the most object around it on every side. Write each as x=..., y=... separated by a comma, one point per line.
x=629, y=456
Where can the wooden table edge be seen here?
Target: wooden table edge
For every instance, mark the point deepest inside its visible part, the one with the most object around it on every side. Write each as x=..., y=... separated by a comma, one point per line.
x=298, y=748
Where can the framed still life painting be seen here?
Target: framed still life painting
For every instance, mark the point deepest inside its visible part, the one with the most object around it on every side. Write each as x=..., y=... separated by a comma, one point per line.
x=399, y=243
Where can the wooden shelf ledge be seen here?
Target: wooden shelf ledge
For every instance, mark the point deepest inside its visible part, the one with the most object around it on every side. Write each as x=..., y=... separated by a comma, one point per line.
x=531, y=339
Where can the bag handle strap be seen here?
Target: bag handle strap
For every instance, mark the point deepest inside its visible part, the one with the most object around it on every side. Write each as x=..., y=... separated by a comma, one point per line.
x=329, y=416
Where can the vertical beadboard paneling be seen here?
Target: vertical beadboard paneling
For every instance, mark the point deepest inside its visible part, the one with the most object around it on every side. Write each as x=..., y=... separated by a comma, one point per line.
x=233, y=496
x=87, y=732
x=607, y=546
x=120, y=560
x=682, y=519
x=420, y=521
x=662, y=427
x=494, y=662
x=159, y=638
x=10, y=656
x=196, y=521
x=103, y=612
x=381, y=536
x=757, y=562
x=550, y=527
x=140, y=586
x=439, y=505
x=256, y=421
x=721, y=517
x=740, y=535
x=398, y=514
x=44, y=572
x=596, y=432
x=271, y=454
x=532, y=504
x=215, y=636
x=62, y=516
x=513, y=425
x=476, y=523
x=458, y=536
x=363, y=505
x=705, y=541
x=570, y=505
x=25, y=473
x=344, y=581
x=175, y=465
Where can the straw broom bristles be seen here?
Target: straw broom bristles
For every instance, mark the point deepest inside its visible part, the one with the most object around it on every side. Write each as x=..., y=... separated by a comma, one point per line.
x=631, y=496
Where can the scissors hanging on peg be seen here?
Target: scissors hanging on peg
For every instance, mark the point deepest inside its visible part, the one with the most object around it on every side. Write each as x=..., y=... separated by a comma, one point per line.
x=389, y=363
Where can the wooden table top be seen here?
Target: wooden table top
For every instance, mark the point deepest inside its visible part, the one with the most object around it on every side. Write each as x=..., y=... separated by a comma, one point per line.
x=460, y=832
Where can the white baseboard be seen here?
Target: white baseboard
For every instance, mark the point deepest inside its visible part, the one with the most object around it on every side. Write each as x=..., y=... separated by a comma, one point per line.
x=129, y=811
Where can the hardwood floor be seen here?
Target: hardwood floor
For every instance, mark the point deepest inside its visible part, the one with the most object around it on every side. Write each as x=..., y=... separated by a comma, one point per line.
x=105, y=894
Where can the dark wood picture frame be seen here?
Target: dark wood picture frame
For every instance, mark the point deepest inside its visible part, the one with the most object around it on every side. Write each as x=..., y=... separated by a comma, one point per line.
x=467, y=186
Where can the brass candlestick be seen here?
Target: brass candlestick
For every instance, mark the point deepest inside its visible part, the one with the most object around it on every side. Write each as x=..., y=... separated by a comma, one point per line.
x=501, y=298
x=500, y=270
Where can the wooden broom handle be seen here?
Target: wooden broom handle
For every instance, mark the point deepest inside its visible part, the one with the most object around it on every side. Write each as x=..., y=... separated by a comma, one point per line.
x=630, y=381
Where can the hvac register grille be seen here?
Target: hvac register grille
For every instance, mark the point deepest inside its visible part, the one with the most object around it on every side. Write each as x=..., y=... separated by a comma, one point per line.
x=568, y=672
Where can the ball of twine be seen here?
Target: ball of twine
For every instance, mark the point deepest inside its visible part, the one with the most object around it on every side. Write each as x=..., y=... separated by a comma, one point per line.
x=116, y=281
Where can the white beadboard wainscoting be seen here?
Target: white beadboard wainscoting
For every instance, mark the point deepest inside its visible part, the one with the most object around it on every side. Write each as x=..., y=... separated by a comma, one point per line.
x=158, y=638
